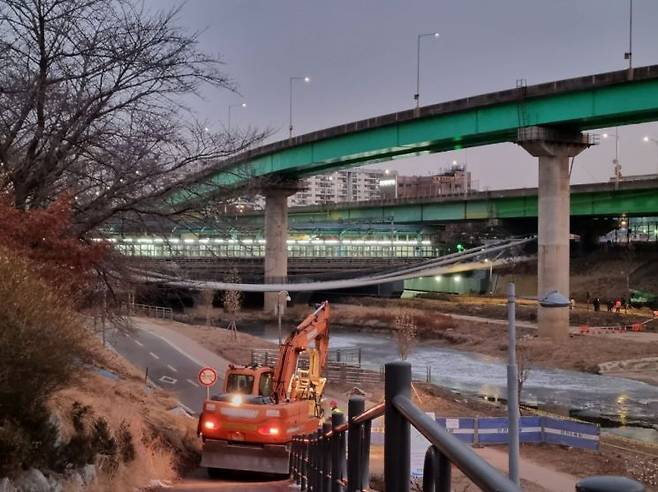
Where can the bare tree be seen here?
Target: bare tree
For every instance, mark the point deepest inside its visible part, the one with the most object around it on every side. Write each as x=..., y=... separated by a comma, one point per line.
x=91, y=98
x=523, y=363
x=207, y=297
x=232, y=302
x=405, y=331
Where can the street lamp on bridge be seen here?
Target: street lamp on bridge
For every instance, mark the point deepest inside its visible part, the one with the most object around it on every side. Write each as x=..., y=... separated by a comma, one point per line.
x=421, y=36
x=616, y=167
x=231, y=106
x=649, y=139
x=305, y=79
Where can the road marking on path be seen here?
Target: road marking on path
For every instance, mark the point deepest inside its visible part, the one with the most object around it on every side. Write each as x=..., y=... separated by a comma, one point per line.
x=175, y=347
x=153, y=355
x=192, y=382
x=172, y=368
x=168, y=380
x=138, y=343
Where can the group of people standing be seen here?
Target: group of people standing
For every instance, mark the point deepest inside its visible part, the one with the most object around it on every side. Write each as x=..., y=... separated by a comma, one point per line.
x=613, y=305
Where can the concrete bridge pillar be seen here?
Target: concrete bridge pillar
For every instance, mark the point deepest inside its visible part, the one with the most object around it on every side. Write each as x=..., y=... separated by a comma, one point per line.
x=553, y=150
x=276, y=237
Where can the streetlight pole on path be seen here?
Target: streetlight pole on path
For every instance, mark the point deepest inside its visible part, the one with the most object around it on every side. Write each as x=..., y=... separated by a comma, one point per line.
x=292, y=79
x=421, y=36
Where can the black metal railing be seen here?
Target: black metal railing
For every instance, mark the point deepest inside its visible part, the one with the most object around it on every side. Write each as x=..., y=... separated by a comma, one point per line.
x=319, y=461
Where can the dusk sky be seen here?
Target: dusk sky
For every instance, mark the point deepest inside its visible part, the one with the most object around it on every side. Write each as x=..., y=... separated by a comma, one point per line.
x=361, y=57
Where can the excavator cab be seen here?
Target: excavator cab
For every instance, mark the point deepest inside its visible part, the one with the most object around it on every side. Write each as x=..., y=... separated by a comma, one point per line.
x=252, y=380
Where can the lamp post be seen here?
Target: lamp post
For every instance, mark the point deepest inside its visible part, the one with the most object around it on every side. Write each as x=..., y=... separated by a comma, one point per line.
x=649, y=139
x=552, y=299
x=421, y=36
x=616, y=167
x=231, y=106
x=292, y=79
x=629, y=54
x=282, y=297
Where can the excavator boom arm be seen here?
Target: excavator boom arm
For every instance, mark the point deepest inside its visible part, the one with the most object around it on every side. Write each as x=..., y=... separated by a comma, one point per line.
x=314, y=328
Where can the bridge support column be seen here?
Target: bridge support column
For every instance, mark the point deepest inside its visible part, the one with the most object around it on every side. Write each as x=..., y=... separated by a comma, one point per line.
x=276, y=237
x=553, y=150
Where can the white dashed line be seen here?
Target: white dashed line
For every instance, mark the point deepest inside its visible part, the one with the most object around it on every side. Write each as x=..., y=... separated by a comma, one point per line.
x=138, y=343
x=172, y=368
x=192, y=382
x=153, y=355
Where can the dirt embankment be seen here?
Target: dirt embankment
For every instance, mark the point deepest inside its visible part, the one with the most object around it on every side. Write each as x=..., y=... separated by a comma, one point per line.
x=163, y=441
x=604, y=274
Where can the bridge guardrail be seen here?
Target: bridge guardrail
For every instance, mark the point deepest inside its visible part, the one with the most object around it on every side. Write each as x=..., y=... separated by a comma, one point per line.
x=319, y=461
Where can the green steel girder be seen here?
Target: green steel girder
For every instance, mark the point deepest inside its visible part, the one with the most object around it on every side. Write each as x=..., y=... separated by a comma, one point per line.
x=513, y=204
x=584, y=103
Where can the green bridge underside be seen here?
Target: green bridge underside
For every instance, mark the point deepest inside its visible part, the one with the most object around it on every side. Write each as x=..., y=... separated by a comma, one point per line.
x=592, y=200
x=584, y=103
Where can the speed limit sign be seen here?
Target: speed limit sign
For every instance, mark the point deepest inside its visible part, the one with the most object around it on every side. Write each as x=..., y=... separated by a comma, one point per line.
x=207, y=376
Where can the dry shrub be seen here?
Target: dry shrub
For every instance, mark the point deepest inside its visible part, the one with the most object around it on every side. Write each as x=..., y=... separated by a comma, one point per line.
x=42, y=343
x=163, y=444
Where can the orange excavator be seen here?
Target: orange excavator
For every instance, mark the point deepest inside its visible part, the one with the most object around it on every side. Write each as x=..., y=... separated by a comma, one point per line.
x=250, y=425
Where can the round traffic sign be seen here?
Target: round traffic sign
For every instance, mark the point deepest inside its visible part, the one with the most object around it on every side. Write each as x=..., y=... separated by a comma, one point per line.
x=207, y=376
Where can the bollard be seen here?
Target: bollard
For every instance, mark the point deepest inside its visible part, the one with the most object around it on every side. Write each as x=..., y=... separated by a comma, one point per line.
x=304, y=470
x=316, y=470
x=608, y=484
x=325, y=482
x=445, y=478
x=355, y=407
x=430, y=469
x=364, y=478
x=397, y=441
x=338, y=453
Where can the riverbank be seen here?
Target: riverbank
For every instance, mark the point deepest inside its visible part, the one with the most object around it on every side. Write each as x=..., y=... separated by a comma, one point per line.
x=479, y=328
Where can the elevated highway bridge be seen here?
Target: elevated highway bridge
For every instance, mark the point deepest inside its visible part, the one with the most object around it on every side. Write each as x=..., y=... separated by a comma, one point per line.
x=547, y=120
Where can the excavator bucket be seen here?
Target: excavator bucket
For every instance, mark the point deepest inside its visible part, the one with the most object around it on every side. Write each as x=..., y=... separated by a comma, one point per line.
x=267, y=458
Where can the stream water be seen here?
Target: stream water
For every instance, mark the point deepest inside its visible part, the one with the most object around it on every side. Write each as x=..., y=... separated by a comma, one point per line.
x=632, y=404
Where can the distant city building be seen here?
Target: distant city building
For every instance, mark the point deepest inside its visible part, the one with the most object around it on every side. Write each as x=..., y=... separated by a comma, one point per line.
x=339, y=187
x=367, y=185
x=450, y=182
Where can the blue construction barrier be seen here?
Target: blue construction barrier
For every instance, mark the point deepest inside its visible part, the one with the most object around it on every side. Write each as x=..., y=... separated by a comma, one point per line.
x=569, y=433
x=494, y=430
x=462, y=428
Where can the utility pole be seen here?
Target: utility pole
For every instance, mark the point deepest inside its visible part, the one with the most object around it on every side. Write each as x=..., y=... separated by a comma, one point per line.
x=512, y=386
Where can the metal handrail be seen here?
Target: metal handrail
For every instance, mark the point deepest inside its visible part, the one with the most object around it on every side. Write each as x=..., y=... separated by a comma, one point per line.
x=370, y=414
x=319, y=461
x=472, y=465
